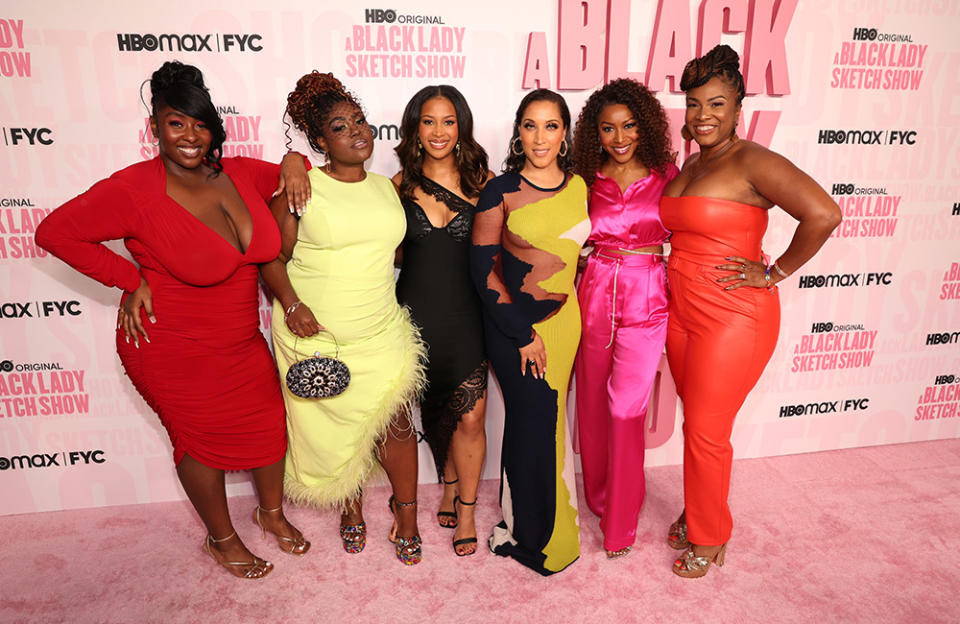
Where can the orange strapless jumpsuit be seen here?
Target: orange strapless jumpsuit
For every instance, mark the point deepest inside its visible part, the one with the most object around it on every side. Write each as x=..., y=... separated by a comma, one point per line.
x=718, y=343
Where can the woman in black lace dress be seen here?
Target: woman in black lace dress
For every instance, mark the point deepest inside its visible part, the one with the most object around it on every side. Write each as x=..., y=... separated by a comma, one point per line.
x=442, y=172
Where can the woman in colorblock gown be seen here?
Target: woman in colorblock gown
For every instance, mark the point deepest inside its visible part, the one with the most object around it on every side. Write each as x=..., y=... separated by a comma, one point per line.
x=196, y=226
x=443, y=170
x=335, y=294
x=724, y=306
x=622, y=150
x=530, y=225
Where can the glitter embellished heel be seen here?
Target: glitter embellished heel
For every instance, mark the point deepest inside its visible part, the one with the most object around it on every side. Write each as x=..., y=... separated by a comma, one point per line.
x=677, y=534
x=690, y=565
x=409, y=549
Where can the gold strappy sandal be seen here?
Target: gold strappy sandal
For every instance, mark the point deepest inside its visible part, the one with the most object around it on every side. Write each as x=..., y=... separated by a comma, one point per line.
x=256, y=569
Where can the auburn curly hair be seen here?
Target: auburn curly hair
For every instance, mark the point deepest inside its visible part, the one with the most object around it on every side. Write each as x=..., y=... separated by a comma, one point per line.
x=721, y=61
x=181, y=87
x=310, y=103
x=470, y=157
x=653, y=146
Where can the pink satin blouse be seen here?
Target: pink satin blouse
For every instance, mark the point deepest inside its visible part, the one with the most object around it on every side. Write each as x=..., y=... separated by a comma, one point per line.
x=631, y=219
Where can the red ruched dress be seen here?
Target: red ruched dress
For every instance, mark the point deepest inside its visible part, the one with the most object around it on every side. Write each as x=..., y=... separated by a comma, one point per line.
x=207, y=371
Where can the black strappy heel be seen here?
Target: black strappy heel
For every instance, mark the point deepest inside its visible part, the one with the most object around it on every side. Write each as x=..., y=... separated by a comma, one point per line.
x=448, y=514
x=465, y=540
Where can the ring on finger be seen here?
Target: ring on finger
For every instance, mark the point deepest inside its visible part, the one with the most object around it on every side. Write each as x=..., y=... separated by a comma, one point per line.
x=743, y=276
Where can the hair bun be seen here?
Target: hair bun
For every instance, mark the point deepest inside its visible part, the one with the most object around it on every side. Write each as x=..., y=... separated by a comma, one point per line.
x=318, y=83
x=723, y=57
x=721, y=60
x=173, y=72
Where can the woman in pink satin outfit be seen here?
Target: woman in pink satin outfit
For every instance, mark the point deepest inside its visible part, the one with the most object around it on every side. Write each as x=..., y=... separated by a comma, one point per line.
x=724, y=307
x=622, y=151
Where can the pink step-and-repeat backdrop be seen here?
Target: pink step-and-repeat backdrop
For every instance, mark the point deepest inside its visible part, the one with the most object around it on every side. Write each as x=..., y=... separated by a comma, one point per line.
x=863, y=95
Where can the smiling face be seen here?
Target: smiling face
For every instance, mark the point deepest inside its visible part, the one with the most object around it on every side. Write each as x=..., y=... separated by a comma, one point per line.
x=712, y=112
x=541, y=132
x=619, y=132
x=438, y=129
x=346, y=136
x=183, y=140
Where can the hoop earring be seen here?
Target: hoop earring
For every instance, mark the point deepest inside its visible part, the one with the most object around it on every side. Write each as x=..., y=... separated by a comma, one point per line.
x=563, y=148
x=513, y=147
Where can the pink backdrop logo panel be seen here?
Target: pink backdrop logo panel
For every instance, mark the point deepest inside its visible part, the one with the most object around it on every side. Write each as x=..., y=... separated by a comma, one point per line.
x=860, y=95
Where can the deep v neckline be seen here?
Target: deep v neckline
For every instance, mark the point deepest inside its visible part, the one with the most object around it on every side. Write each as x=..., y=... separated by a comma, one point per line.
x=253, y=230
x=442, y=194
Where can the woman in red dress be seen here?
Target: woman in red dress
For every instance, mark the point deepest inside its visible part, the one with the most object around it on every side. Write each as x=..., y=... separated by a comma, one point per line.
x=724, y=306
x=197, y=226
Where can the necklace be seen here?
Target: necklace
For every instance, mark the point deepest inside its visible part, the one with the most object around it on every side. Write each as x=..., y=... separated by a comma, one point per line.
x=730, y=143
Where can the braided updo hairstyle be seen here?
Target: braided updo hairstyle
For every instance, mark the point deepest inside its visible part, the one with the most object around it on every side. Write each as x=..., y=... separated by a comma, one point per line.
x=721, y=61
x=310, y=103
x=653, y=145
x=181, y=87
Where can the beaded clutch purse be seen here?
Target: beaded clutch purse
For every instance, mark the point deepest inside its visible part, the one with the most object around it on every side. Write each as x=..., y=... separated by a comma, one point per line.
x=318, y=377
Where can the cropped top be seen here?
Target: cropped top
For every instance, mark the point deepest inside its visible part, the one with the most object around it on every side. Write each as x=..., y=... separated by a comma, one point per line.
x=631, y=219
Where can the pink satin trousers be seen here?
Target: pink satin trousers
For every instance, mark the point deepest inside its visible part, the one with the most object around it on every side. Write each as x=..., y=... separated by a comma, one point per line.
x=623, y=306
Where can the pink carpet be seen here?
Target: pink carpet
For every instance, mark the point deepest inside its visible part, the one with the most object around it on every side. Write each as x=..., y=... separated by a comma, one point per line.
x=862, y=535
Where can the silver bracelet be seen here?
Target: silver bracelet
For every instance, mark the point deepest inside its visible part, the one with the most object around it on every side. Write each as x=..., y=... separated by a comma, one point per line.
x=776, y=267
x=293, y=306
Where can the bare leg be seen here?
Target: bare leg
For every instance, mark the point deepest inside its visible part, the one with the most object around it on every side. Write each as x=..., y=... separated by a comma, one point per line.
x=450, y=479
x=398, y=456
x=205, y=489
x=353, y=531
x=468, y=448
x=269, y=515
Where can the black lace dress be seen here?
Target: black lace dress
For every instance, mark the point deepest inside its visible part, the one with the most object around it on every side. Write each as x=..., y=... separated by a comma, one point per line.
x=435, y=284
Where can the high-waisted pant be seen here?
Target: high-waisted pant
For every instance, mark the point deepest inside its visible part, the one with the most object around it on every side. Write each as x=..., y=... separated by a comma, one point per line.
x=623, y=304
x=718, y=342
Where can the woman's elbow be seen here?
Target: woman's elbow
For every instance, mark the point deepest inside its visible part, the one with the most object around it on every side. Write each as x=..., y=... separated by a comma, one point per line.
x=833, y=217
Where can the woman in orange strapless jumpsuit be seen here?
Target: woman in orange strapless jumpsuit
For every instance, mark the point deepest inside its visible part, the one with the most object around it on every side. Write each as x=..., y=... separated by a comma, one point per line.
x=724, y=307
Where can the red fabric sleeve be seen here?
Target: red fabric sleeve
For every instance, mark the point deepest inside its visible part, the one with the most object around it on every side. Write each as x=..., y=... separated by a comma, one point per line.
x=75, y=231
